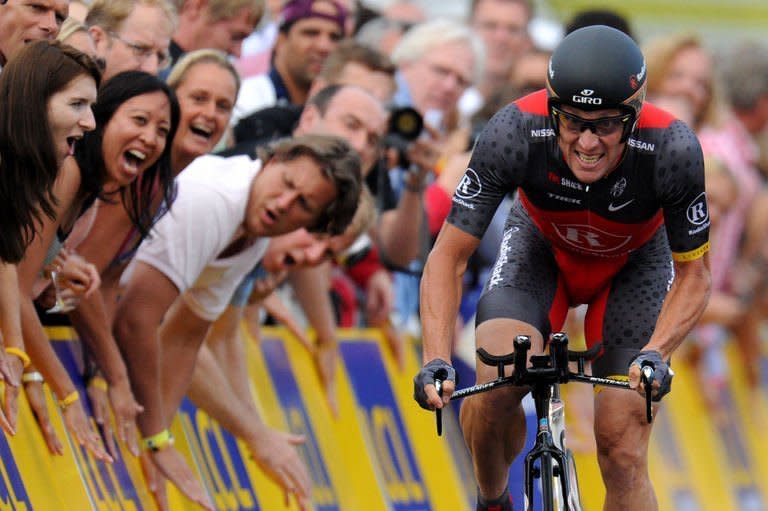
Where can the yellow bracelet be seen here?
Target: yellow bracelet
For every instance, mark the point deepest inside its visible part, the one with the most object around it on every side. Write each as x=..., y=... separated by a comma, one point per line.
x=70, y=399
x=31, y=377
x=99, y=383
x=158, y=441
x=11, y=350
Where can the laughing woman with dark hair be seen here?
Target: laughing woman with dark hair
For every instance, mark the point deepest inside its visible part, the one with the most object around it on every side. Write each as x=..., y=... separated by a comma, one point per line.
x=126, y=159
x=55, y=83
x=206, y=85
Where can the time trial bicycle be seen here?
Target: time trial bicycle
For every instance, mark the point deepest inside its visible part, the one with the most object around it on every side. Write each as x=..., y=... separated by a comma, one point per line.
x=549, y=460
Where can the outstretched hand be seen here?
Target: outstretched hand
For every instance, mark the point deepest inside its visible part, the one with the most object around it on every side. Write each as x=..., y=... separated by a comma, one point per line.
x=79, y=426
x=275, y=452
x=125, y=409
x=172, y=465
x=39, y=406
x=10, y=375
x=97, y=397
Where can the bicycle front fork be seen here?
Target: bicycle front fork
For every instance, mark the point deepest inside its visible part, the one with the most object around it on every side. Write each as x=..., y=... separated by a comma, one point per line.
x=553, y=462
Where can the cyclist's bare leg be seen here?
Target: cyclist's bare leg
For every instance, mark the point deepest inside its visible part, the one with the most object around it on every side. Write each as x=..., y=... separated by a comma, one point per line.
x=493, y=423
x=622, y=435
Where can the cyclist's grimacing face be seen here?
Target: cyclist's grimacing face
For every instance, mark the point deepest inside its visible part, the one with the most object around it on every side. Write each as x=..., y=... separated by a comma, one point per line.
x=589, y=156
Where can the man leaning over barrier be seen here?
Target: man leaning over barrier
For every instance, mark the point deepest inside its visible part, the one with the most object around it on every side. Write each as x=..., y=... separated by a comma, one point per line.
x=183, y=277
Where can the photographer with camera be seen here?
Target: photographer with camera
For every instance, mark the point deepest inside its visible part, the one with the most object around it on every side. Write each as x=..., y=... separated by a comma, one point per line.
x=437, y=61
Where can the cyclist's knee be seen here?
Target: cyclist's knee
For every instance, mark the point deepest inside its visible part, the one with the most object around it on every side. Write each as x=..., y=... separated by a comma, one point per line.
x=622, y=457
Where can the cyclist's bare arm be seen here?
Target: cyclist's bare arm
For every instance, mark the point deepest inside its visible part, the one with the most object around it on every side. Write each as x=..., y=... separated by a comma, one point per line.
x=682, y=307
x=440, y=296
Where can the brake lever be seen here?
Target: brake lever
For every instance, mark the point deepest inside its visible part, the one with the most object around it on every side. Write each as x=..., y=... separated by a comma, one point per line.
x=439, y=411
x=647, y=379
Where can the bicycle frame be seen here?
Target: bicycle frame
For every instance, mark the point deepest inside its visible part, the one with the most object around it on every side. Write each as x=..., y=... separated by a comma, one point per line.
x=556, y=467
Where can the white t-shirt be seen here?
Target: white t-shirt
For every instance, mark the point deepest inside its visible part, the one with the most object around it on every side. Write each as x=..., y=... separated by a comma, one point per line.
x=205, y=218
x=256, y=93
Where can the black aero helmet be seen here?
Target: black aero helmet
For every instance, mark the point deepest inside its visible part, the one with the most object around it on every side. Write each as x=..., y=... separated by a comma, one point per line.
x=597, y=68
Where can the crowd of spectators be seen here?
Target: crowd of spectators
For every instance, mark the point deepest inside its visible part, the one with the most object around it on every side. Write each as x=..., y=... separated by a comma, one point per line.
x=317, y=208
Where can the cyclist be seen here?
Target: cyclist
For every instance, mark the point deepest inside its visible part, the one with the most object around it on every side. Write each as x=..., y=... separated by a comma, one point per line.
x=610, y=212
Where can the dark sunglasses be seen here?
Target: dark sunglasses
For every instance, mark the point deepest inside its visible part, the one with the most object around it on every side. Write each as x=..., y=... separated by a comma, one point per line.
x=602, y=127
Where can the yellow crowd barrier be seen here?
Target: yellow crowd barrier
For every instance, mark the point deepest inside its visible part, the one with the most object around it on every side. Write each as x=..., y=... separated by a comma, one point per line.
x=381, y=452
x=702, y=461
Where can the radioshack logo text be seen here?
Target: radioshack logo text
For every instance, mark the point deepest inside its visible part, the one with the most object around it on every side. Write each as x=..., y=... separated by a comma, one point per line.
x=564, y=181
x=469, y=187
x=698, y=214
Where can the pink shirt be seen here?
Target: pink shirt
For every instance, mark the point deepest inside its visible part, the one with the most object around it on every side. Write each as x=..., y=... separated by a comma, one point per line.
x=733, y=146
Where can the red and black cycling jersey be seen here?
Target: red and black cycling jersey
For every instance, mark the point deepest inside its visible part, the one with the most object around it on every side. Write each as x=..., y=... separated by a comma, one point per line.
x=660, y=180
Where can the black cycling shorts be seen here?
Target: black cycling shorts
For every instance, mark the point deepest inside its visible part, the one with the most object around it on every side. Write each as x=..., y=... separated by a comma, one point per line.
x=535, y=282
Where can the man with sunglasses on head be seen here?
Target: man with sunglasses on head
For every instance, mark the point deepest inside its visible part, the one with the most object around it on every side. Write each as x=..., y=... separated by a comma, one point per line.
x=610, y=212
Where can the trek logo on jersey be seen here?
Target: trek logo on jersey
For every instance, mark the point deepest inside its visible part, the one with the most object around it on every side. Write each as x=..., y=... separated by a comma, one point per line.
x=586, y=98
x=469, y=187
x=562, y=198
x=589, y=239
x=698, y=214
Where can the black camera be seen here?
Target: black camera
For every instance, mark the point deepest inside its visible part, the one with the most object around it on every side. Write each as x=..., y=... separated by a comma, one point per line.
x=405, y=126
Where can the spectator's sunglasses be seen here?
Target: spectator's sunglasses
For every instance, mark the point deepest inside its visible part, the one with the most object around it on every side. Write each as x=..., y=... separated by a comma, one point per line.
x=602, y=126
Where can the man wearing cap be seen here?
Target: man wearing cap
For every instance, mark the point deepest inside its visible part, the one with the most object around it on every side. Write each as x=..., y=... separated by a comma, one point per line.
x=309, y=31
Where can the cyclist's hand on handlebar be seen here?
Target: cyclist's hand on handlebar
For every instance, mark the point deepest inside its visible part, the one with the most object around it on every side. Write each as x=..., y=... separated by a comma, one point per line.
x=662, y=374
x=424, y=390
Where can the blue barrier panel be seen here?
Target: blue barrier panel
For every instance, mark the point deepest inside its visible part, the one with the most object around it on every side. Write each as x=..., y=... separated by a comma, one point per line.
x=393, y=453
x=293, y=406
x=13, y=493
x=219, y=459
